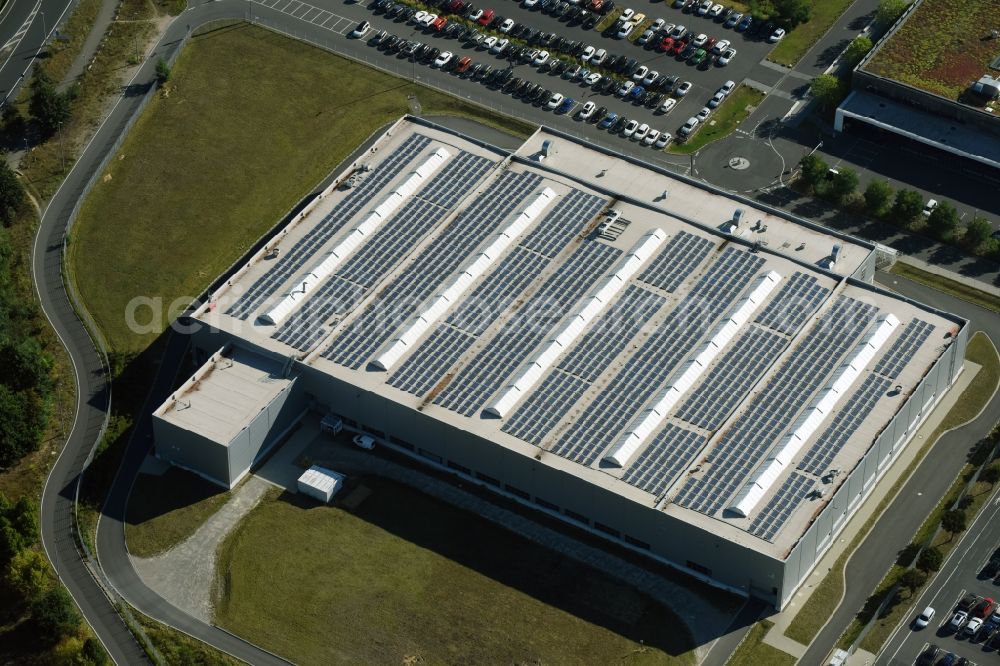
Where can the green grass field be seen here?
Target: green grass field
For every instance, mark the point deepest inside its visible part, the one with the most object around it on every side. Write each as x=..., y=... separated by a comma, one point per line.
x=797, y=42
x=726, y=118
x=403, y=578
x=165, y=510
x=753, y=651
x=825, y=598
x=218, y=159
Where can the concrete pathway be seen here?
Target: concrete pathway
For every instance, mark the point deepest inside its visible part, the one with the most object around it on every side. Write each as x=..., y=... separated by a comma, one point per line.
x=776, y=636
x=706, y=622
x=105, y=16
x=185, y=573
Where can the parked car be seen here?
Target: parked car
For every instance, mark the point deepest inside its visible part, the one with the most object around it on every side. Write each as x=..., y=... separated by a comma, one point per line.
x=733, y=20
x=663, y=140
x=968, y=601
x=608, y=120
x=777, y=35
x=630, y=129
x=554, y=101
x=698, y=56
x=727, y=87
x=678, y=32
x=486, y=17
x=586, y=111
x=726, y=57
x=651, y=136
x=929, y=208
x=958, y=620
x=625, y=31
x=688, y=127
x=700, y=40
x=683, y=89
x=992, y=568
x=744, y=23
x=983, y=608
x=924, y=618
x=703, y=115
x=716, y=100
x=668, y=105
x=972, y=626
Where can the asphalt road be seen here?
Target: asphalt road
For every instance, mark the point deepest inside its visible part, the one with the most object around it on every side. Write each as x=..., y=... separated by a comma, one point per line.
x=958, y=576
x=25, y=27
x=922, y=491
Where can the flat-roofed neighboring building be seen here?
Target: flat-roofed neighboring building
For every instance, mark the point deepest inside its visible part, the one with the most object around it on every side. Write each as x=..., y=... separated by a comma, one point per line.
x=711, y=382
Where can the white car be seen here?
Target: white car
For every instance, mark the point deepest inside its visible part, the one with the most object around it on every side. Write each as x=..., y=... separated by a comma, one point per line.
x=657, y=25
x=588, y=53
x=957, y=620
x=727, y=87
x=362, y=28
x=689, y=126
x=651, y=137
x=418, y=17
x=443, y=59
x=973, y=626
x=586, y=111
x=704, y=6
x=929, y=208
x=651, y=76
x=476, y=15
x=700, y=40
x=528, y=4
x=640, y=73
x=716, y=100
x=426, y=21
x=500, y=46
x=776, y=35
x=507, y=26
x=663, y=140
x=645, y=37
x=627, y=15
x=703, y=115
x=541, y=58
x=683, y=88
x=625, y=88
x=924, y=618
x=625, y=30
x=678, y=32
x=488, y=42
x=592, y=78
x=726, y=57
x=555, y=101
x=716, y=10
x=720, y=46
x=668, y=105
x=641, y=132
x=599, y=57
x=365, y=442
x=630, y=129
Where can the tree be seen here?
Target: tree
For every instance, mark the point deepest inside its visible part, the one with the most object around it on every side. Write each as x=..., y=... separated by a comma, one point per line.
x=990, y=475
x=843, y=184
x=55, y=615
x=912, y=579
x=791, y=13
x=828, y=90
x=48, y=106
x=888, y=12
x=27, y=575
x=814, y=170
x=27, y=366
x=878, y=197
x=23, y=415
x=857, y=50
x=162, y=71
x=12, y=197
x=930, y=559
x=907, y=206
x=953, y=521
x=943, y=221
x=977, y=232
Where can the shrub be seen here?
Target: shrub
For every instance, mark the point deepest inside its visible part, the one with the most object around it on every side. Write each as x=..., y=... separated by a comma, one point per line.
x=907, y=206
x=930, y=559
x=953, y=521
x=878, y=197
x=943, y=221
x=54, y=615
x=814, y=170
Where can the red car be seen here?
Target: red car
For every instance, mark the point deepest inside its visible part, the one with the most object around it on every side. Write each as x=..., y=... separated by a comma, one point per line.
x=487, y=17
x=983, y=608
x=439, y=23
x=710, y=43
x=463, y=65
x=595, y=5
x=455, y=6
x=677, y=47
x=665, y=44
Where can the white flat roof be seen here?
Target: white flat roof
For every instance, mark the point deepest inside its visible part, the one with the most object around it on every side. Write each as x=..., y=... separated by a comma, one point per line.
x=596, y=320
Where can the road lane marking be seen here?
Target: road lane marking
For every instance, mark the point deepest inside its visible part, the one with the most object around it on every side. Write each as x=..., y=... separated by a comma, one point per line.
x=15, y=41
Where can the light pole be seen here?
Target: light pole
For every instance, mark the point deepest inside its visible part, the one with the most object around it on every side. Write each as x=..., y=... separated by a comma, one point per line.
x=818, y=146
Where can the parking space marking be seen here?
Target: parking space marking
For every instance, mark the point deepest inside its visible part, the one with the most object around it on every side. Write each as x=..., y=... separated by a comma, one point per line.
x=317, y=16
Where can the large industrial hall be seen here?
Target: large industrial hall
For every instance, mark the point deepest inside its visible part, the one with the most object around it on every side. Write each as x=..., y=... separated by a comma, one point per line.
x=675, y=369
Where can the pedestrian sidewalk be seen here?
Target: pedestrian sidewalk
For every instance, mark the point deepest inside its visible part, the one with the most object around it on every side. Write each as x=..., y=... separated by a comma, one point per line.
x=776, y=636
x=981, y=285
x=105, y=17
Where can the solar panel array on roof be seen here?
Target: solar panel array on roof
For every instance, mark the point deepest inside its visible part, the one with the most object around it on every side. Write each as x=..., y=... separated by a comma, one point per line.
x=794, y=304
x=423, y=370
x=557, y=229
x=844, y=424
x=769, y=521
x=738, y=370
x=484, y=375
x=295, y=258
x=903, y=349
x=376, y=258
x=672, y=451
x=750, y=438
x=645, y=373
x=586, y=362
x=442, y=257
x=677, y=261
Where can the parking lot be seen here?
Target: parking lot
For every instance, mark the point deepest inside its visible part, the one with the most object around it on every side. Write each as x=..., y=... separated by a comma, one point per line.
x=967, y=583
x=704, y=79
